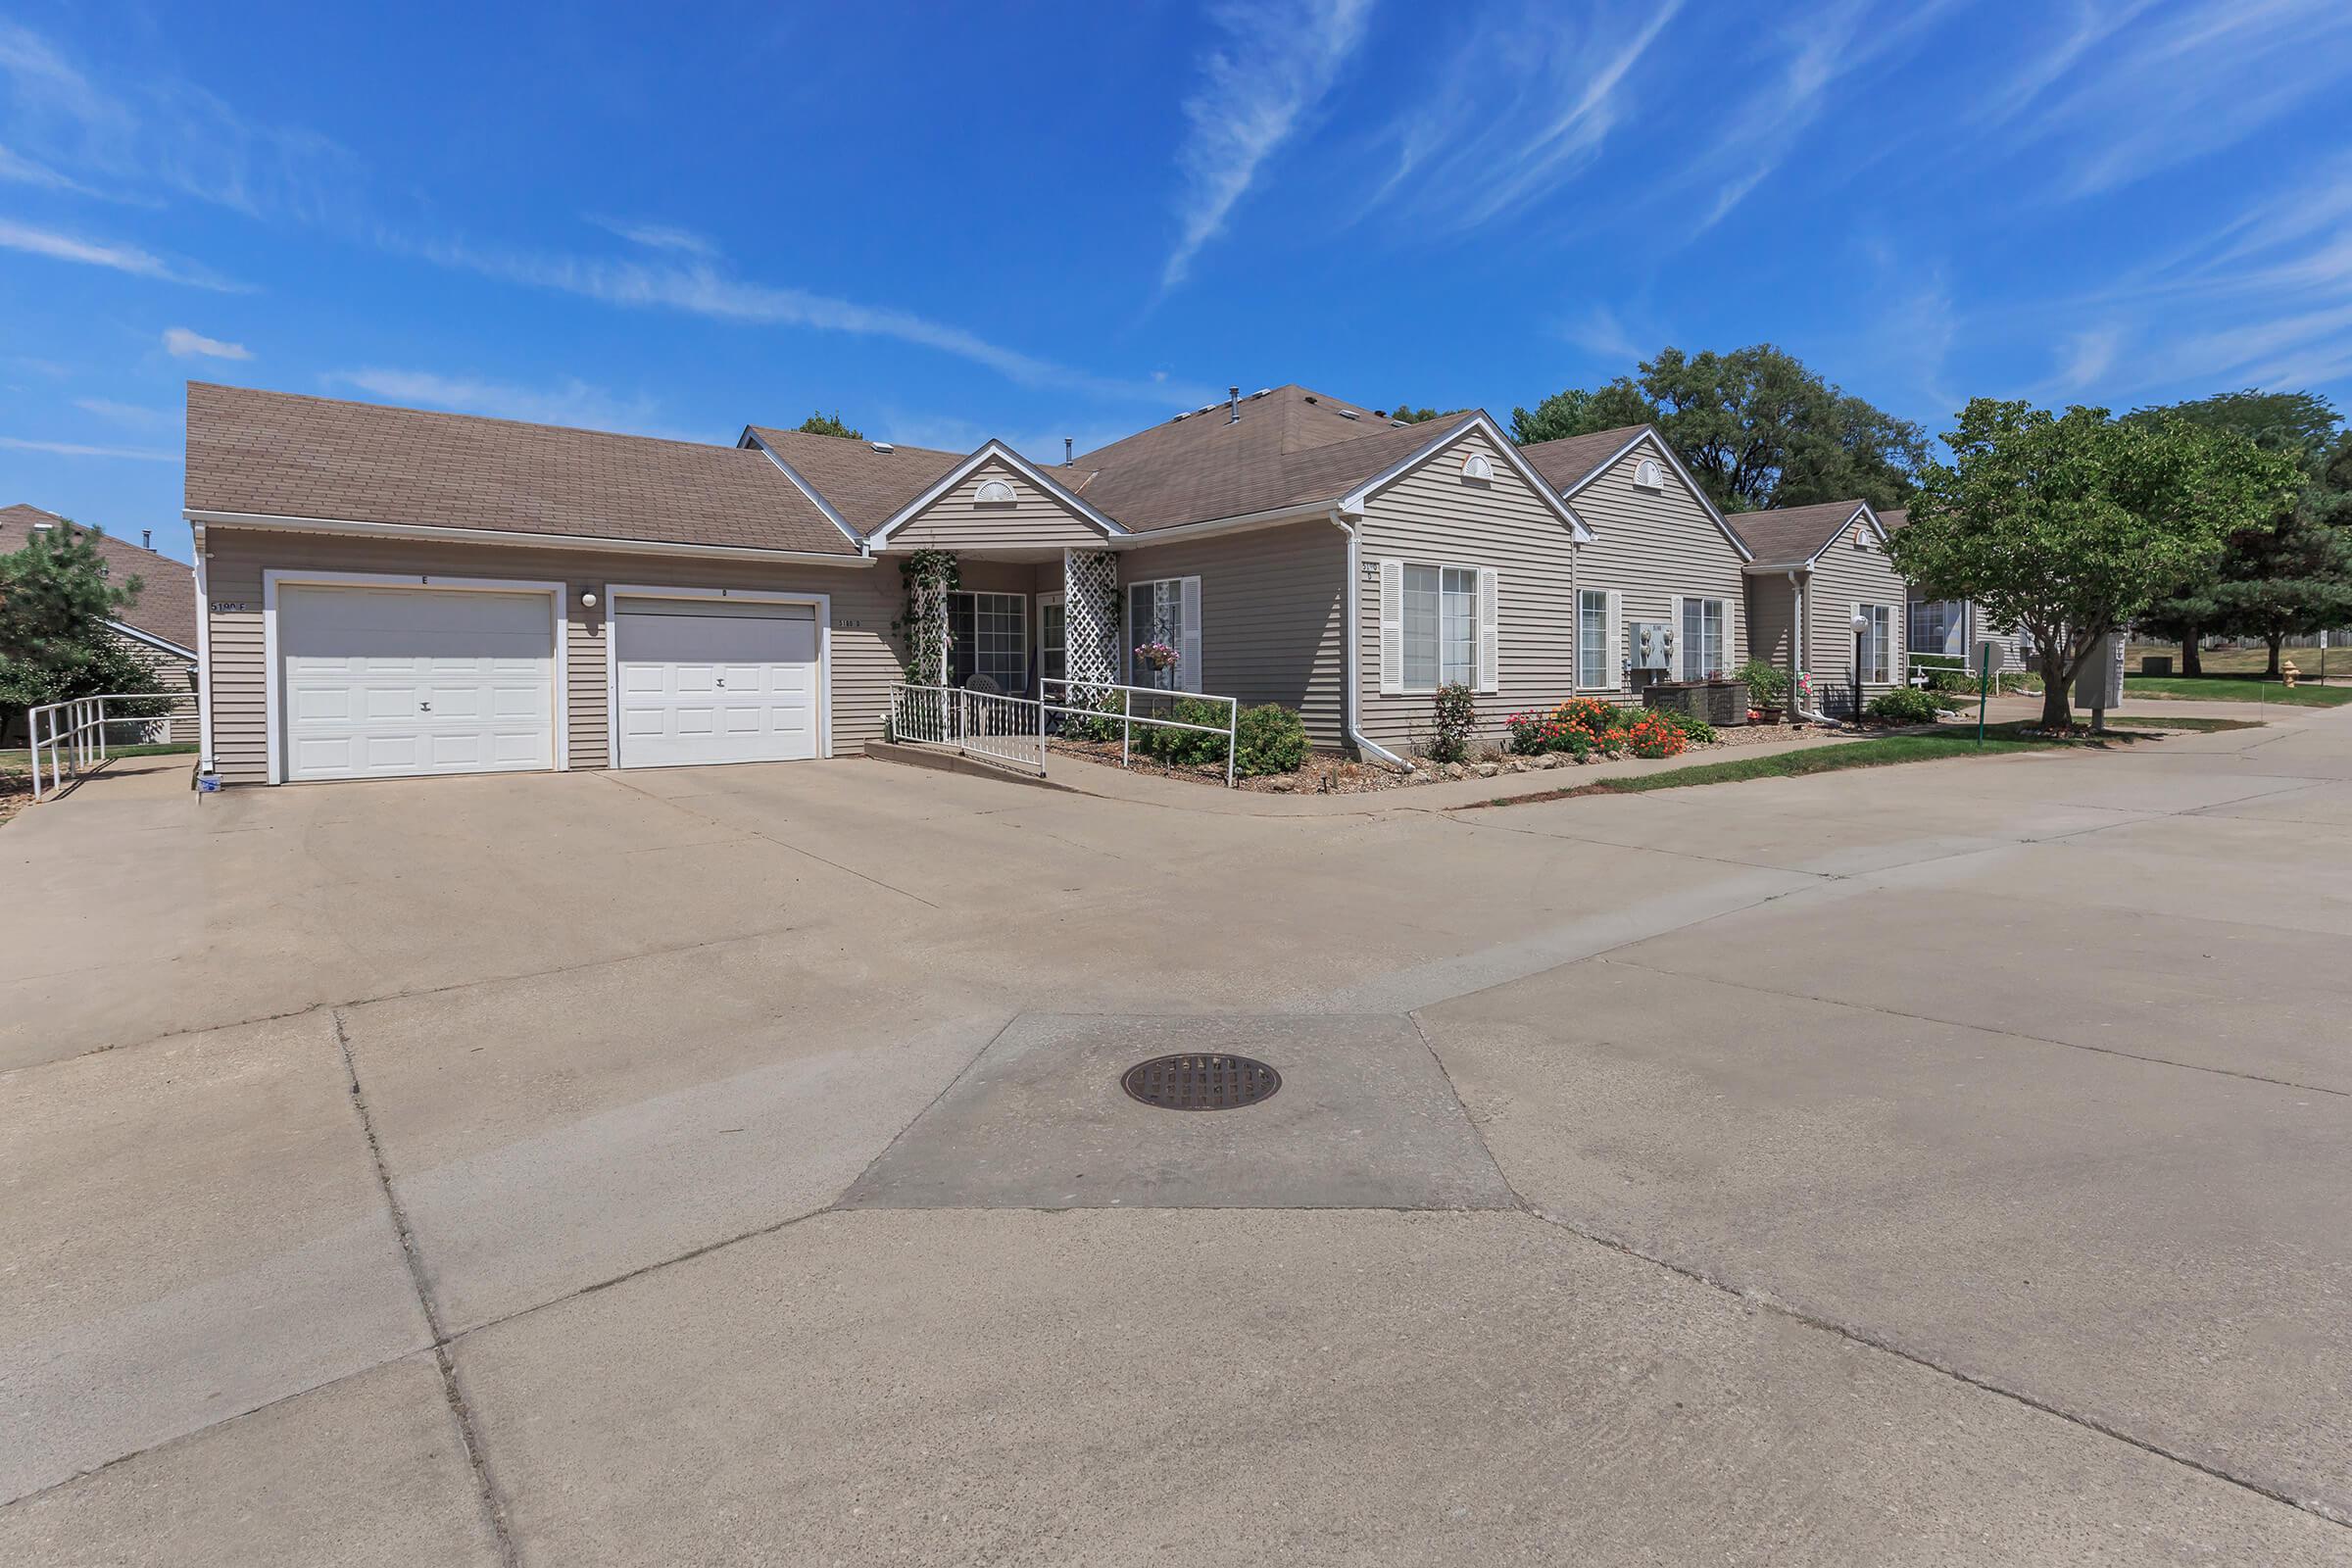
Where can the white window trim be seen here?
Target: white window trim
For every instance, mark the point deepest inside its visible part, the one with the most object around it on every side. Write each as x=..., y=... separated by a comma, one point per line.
x=1649, y=474
x=1722, y=604
x=1477, y=468
x=274, y=727
x=1127, y=632
x=614, y=593
x=982, y=498
x=1028, y=610
x=1613, y=678
x=1885, y=648
x=1479, y=577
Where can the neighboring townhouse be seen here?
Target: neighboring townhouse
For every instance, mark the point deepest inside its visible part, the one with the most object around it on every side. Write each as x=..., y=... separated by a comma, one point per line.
x=159, y=627
x=1813, y=573
x=1951, y=627
x=394, y=591
x=1661, y=555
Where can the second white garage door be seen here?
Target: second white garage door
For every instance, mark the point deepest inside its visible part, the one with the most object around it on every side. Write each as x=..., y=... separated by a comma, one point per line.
x=715, y=680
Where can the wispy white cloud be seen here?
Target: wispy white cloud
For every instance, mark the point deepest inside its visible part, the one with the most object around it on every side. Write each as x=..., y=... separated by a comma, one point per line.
x=1524, y=103
x=1823, y=53
x=1276, y=61
x=571, y=401
x=74, y=448
x=164, y=134
x=19, y=170
x=182, y=344
x=2177, y=83
x=2087, y=356
x=2048, y=59
x=1599, y=331
x=130, y=414
x=659, y=237
x=112, y=254
x=701, y=287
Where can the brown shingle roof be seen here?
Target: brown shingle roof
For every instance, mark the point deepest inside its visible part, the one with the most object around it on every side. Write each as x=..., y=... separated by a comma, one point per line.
x=864, y=485
x=1288, y=447
x=280, y=455
x=1572, y=459
x=1900, y=518
x=166, y=604
x=1784, y=534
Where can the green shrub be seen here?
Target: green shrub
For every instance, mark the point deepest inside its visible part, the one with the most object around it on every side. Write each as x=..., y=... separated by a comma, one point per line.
x=1185, y=747
x=1268, y=739
x=1905, y=705
x=1767, y=684
x=1693, y=728
x=1453, y=720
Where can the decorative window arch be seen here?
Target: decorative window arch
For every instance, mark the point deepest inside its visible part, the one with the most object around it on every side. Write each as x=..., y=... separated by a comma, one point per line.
x=995, y=493
x=1477, y=469
x=1649, y=474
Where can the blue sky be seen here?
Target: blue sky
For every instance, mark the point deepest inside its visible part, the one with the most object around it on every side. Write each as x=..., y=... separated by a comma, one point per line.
x=1042, y=221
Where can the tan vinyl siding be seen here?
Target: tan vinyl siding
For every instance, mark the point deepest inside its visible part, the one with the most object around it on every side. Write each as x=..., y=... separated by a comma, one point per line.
x=1651, y=546
x=1033, y=519
x=863, y=602
x=1844, y=577
x=1431, y=517
x=1772, y=621
x=1271, y=629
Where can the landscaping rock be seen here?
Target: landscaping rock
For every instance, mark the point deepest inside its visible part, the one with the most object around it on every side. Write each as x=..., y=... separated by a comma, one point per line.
x=1488, y=770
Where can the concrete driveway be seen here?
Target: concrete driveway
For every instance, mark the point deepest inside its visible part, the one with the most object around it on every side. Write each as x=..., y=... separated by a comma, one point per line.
x=1942, y=1165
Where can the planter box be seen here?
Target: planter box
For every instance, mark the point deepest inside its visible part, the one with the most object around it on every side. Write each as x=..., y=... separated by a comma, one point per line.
x=1721, y=703
x=2155, y=664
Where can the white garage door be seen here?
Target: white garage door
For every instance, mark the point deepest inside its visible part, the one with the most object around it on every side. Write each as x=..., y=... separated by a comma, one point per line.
x=715, y=680
x=382, y=682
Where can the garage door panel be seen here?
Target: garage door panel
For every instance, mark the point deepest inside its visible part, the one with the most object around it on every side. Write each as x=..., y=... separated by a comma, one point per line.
x=730, y=682
x=380, y=683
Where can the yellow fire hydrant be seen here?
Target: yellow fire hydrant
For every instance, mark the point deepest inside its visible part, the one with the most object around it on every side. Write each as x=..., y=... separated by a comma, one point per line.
x=2288, y=672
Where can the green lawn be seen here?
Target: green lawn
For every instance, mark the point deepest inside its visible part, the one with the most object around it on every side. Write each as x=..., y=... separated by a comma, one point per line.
x=2235, y=688
x=1884, y=752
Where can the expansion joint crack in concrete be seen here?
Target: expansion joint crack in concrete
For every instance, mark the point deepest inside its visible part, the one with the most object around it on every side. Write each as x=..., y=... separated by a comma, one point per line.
x=1983, y=1028
x=1870, y=1340
x=492, y=1504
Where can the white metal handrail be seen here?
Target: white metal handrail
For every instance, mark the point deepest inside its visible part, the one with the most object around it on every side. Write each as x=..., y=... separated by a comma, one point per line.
x=1013, y=729
x=1128, y=717
x=73, y=733
x=1004, y=730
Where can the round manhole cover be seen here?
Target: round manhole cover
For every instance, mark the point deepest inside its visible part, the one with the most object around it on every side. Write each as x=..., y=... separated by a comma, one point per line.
x=1200, y=1081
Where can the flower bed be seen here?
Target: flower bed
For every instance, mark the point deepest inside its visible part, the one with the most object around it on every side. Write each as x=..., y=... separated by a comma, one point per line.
x=1586, y=726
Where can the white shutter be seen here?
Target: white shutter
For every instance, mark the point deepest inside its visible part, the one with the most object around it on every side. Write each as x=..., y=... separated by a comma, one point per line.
x=1188, y=641
x=1489, y=600
x=1613, y=662
x=1674, y=619
x=1392, y=627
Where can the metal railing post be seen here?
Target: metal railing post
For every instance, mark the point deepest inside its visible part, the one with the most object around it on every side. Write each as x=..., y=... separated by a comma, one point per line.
x=1233, y=738
x=1126, y=730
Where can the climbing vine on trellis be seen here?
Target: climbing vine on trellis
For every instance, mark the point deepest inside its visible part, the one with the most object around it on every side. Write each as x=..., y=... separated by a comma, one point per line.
x=930, y=575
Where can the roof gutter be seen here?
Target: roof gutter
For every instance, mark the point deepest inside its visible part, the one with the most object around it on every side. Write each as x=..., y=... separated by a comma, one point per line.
x=1351, y=690
x=1241, y=522
x=508, y=536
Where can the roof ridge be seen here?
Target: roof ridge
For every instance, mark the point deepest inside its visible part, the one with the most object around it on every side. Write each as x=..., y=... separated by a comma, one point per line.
x=468, y=419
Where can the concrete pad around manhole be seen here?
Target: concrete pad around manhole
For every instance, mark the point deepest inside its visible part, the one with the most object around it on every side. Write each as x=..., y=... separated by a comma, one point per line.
x=1364, y=1119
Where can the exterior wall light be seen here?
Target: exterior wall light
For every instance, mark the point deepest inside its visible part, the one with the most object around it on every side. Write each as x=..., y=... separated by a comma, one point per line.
x=588, y=599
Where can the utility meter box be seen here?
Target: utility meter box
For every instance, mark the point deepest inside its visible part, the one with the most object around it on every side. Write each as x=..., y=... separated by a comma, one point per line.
x=1650, y=645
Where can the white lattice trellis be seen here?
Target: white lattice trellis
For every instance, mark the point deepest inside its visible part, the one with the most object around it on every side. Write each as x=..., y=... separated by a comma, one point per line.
x=1089, y=582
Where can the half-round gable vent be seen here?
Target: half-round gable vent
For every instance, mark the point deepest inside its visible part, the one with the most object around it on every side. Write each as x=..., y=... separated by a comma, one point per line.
x=1476, y=469
x=995, y=493
x=1650, y=474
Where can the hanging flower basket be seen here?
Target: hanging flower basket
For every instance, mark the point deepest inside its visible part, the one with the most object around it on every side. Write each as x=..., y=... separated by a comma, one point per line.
x=1160, y=656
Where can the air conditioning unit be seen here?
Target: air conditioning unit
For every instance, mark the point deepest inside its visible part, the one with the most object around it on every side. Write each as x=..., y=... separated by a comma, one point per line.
x=1650, y=645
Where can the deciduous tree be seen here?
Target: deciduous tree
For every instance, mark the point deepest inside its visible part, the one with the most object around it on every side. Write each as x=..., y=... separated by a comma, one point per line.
x=2067, y=526
x=1755, y=427
x=822, y=424
x=54, y=602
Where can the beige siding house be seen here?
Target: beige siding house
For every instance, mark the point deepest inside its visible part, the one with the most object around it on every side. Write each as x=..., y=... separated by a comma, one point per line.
x=1817, y=572
x=390, y=592
x=1661, y=554
x=1950, y=629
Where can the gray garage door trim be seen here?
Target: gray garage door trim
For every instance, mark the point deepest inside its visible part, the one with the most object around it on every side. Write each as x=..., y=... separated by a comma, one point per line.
x=274, y=652
x=616, y=594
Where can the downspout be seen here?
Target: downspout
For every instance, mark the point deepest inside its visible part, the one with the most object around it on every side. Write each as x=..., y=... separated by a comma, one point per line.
x=204, y=663
x=1350, y=688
